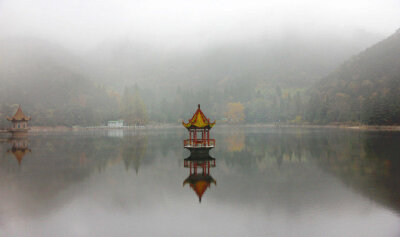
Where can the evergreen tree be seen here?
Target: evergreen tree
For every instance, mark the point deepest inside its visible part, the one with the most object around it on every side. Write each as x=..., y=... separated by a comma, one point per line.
x=133, y=109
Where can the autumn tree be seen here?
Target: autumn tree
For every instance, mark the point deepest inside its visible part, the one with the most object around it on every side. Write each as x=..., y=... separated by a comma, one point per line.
x=235, y=112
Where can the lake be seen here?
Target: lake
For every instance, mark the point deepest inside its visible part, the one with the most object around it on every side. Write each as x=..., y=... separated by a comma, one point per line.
x=266, y=182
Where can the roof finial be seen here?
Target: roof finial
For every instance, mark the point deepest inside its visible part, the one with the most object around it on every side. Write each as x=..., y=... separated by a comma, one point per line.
x=198, y=106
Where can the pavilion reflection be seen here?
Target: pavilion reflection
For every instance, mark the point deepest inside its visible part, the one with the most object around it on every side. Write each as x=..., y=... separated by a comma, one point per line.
x=19, y=148
x=199, y=178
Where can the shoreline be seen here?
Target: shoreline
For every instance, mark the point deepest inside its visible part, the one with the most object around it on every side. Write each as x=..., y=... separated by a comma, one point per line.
x=333, y=126
x=35, y=129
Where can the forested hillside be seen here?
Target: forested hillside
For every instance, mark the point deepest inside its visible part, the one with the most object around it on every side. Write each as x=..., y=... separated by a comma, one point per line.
x=266, y=81
x=365, y=89
x=262, y=83
x=47, y=80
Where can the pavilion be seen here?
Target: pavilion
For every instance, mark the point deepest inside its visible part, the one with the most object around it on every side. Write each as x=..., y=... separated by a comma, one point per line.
x=199, y=132
x=19, y=124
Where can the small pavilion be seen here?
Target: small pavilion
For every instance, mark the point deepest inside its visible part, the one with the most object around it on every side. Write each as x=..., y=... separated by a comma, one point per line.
x=19, y=123
x=199, y=132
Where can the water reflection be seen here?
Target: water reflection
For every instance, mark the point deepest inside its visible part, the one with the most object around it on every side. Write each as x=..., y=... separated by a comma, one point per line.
x=115, y=132
x=271, y=182
x=366, y=162
x=198, y=180
x=60, y=161
x=235, y=141
x=133, y=149
x=371, y=168
x=19, y=148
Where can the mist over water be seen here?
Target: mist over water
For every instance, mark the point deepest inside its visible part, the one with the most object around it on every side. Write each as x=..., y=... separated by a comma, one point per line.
x=269, y=182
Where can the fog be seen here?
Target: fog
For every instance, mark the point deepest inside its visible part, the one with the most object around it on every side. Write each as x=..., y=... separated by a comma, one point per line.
x=94, y=93
x=84, y=62
x=193, y=24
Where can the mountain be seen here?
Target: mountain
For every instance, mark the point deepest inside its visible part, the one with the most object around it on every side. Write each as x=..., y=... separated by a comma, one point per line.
x=292, y=61
x=265, y=78
x=364, y=89
x=48, y=81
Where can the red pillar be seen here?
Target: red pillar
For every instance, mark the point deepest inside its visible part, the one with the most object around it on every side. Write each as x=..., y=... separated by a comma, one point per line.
x=208, y=137
x=202, y=136
x=205, y=137
x=195, y=137
x=190, y=136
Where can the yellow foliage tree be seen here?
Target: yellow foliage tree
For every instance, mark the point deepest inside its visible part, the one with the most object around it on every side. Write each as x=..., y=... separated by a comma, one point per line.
x=235, y=112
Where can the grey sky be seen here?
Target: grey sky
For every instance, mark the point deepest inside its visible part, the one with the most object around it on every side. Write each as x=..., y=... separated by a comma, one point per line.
x=185, y=23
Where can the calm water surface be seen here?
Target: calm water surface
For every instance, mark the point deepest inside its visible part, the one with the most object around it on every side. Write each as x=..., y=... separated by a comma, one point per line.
x=268, y=182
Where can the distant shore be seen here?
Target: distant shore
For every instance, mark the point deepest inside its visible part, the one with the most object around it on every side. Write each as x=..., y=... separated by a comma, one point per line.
x=81, y=128
x=333, y=126
x=168, y=125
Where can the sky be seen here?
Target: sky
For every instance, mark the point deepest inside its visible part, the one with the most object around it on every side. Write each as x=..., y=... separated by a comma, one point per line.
x=85, y=24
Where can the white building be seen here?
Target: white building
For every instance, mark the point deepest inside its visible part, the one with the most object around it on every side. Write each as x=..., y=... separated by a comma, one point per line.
x=115, y=124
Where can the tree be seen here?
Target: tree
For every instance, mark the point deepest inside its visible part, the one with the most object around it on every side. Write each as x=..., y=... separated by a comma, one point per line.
x=235, y=112
x=133, y=109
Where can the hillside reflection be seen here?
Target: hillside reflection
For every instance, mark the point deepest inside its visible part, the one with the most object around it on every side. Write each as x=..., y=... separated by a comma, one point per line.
x=283, y=172
x=371, y=168
x=57, y=162
x=133, y=149
x=367, y=162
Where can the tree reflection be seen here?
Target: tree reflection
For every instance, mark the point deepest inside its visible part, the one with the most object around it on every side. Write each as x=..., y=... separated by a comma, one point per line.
x=58, y=162
x=133, y=149
x=235, y=141
x=274, y=148
x=367, y=162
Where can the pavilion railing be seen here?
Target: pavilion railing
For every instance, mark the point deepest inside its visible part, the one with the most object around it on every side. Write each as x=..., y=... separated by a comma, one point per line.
x=197, y=163
x=199, y=143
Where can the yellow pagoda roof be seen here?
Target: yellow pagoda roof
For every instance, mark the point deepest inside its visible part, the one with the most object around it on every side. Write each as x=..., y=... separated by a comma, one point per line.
x=19, y=116
x=199, y=120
